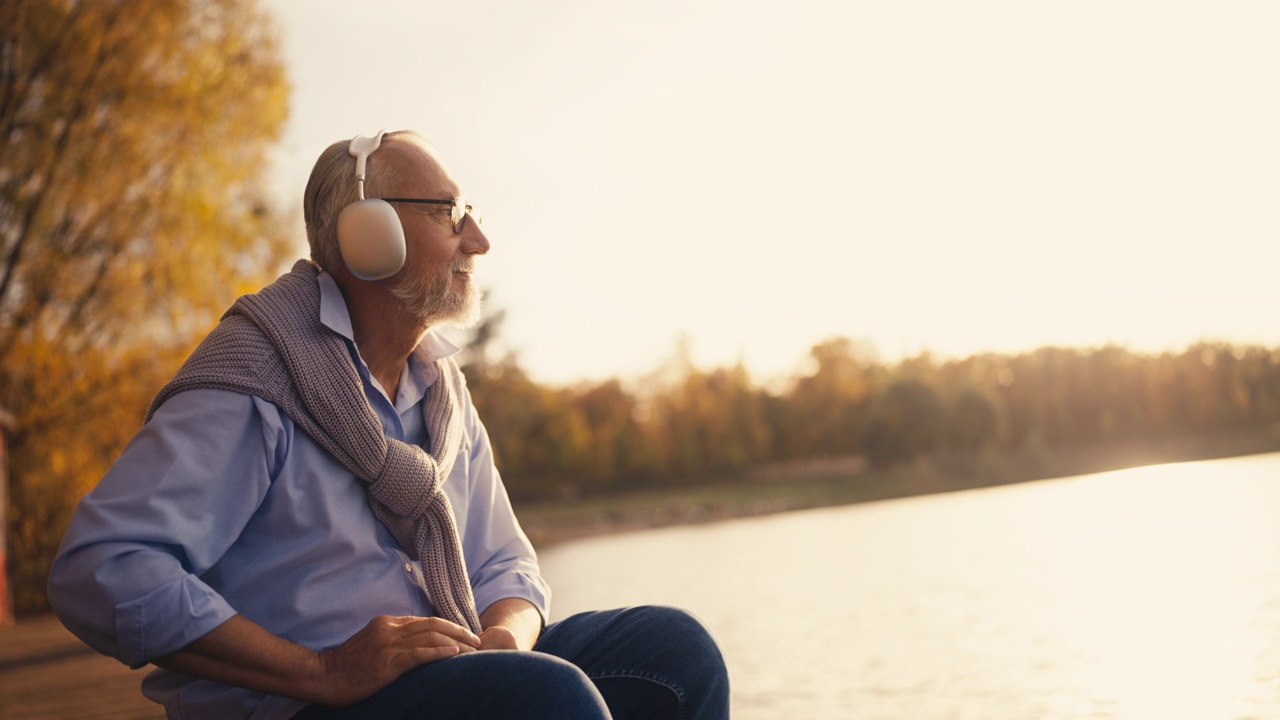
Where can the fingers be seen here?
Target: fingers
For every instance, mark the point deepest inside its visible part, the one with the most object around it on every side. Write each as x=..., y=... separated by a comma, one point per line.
x=425, y=640
x=498, y=638
x=424, y=655
x=413, y=628
x=384, y=649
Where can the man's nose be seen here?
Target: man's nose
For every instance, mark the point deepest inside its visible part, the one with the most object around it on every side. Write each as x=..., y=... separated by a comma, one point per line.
x=474, y=241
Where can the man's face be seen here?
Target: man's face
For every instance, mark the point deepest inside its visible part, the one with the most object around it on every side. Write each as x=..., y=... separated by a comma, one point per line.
x=435, y=285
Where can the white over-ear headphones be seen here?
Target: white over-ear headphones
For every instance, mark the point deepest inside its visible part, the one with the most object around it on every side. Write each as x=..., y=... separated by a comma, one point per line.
x=370, y=236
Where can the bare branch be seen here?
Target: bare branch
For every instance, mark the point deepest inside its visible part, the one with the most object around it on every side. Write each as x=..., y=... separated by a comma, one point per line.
x=60, y=147
x=13, y=50
x=79, y=304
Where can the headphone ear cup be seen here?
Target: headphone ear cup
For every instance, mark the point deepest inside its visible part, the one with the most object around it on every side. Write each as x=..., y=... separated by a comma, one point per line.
x=371, y=239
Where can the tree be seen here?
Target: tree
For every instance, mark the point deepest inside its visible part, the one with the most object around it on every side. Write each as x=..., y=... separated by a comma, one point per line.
x=713, y=422
x=133, y=140
x=822, y=414
x=974, y=421
x=908, y=420
x=620, y=447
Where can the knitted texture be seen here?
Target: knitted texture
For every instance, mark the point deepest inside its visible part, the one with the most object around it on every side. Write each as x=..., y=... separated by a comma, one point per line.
x=272, y=345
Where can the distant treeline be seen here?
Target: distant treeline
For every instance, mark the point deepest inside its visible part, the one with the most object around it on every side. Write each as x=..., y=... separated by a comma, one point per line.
x=689, y=425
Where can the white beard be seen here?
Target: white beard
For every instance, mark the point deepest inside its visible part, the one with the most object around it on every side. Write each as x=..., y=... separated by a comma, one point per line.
x=434, y=302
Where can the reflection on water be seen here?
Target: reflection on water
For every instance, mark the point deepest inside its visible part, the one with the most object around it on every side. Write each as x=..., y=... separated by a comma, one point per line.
x=1144, y=593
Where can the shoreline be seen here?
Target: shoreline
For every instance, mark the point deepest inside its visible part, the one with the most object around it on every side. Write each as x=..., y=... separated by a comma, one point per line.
x=847, y=481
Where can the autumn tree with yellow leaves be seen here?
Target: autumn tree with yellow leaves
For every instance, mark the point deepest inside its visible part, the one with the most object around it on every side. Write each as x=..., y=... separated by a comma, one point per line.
x=132, y=213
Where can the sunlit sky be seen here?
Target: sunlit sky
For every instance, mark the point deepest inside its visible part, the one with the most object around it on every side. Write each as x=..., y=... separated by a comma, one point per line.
x=758, y=176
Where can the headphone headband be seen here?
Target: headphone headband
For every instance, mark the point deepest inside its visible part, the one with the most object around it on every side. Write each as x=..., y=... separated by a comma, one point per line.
x=361, y=148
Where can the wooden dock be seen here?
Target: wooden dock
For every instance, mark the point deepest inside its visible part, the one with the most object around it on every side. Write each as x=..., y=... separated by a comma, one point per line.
x=46, y=673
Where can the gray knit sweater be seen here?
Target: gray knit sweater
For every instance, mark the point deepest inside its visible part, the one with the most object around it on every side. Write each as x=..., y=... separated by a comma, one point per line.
x=272, y=345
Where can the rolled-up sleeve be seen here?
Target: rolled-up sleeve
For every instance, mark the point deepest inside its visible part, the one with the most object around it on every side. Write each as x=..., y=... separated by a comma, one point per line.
x=501, y=560
x=126, y=580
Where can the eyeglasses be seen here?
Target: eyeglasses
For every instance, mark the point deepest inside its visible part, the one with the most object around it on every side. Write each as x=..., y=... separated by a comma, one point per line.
x=458, y=211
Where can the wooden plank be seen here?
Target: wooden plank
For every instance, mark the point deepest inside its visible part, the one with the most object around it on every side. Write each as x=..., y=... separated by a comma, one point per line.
x=47, y=674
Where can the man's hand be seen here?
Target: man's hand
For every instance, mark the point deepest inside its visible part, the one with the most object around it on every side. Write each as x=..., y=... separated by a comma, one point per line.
x=384, y=650
x=498, y=638
x=242, y=653
x=510, y=624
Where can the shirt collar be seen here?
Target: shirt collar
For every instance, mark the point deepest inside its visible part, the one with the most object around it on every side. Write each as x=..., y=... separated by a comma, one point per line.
x=420, y=371
x=333, y=308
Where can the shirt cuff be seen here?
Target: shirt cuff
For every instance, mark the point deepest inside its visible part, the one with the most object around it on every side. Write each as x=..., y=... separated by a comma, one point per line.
x=168, y=619
x=515, y=585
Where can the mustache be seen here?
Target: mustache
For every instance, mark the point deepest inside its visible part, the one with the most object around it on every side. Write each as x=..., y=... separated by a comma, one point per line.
x=465, y=266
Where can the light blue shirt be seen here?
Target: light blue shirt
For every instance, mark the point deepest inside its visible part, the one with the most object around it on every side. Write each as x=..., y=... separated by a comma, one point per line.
x=222, y=506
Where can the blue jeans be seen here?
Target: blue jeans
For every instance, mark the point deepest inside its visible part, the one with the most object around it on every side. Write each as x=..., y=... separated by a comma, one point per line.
x=642, y=663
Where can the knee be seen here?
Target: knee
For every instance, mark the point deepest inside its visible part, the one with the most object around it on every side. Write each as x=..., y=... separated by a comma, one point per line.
x=687, y=638
x=663, y=644
x=679, y=626
x=553, y=686
x=547, y=686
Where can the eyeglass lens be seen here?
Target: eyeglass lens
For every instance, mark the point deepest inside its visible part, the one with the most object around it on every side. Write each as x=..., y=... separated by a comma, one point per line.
x=459, y=214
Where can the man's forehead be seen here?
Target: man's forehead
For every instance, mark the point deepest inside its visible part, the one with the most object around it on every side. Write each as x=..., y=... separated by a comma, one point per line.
x=406, y=140
x=419, y=164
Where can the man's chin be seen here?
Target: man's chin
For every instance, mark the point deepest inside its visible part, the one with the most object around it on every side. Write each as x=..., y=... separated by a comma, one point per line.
x=464, y=320
x=461, y=318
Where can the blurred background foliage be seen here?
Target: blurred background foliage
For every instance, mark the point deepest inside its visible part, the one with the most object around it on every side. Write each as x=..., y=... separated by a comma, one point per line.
x=686, y=425
x=133, y=212
x=131, y=215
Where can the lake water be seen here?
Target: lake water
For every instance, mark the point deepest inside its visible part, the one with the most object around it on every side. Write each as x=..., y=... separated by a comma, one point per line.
x=1150, y=593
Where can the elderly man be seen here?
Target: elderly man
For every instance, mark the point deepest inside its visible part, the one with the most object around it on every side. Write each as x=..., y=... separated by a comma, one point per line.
x=310, y=523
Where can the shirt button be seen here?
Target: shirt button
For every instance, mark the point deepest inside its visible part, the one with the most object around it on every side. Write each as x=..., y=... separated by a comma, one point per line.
x=408, y=568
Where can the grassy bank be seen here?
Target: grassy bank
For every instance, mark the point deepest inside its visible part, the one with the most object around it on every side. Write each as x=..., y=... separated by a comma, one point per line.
x=798, y=486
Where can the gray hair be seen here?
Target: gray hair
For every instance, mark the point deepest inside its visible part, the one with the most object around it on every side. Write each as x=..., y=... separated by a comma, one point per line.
x=332, y=186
